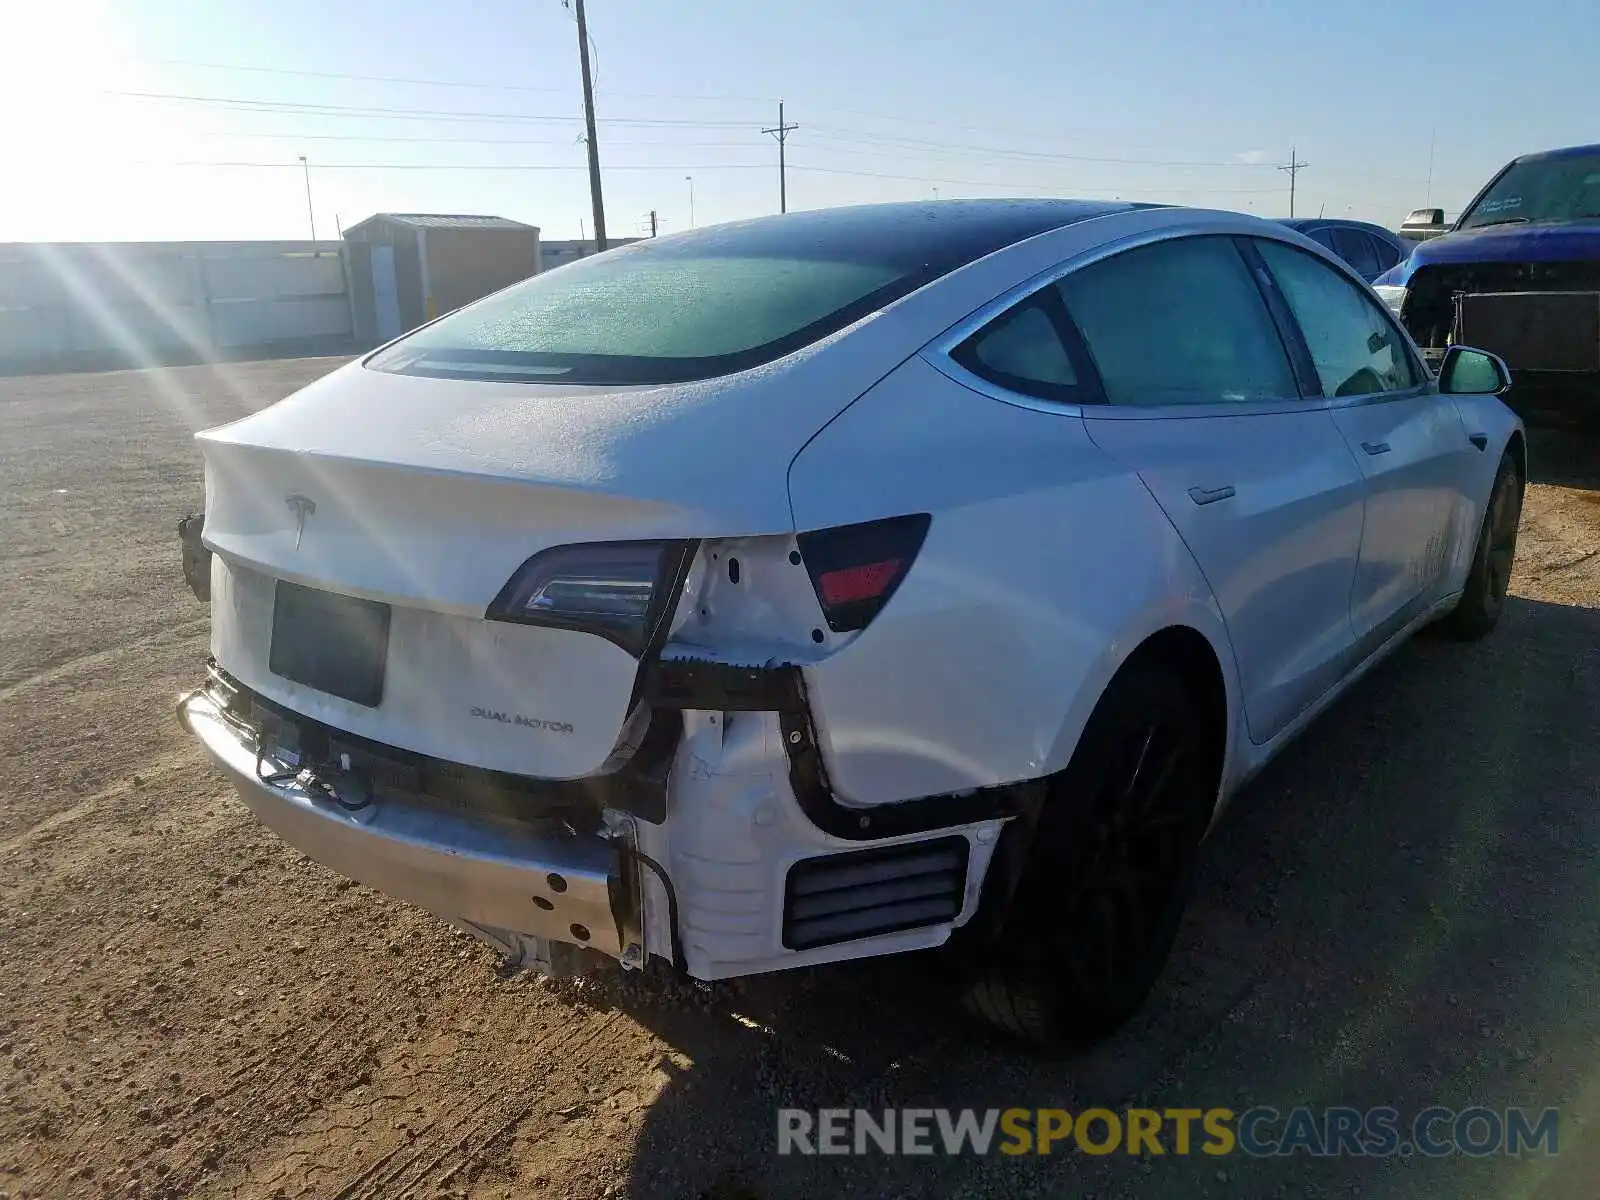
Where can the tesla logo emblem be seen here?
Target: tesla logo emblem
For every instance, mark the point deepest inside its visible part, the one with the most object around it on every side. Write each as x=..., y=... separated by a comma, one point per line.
x=302, y=507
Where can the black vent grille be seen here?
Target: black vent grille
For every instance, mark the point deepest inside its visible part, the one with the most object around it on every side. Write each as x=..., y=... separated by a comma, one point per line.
x=842, y=897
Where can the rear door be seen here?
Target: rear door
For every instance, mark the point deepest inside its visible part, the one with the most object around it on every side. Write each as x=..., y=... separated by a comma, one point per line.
x=1408, y=439
x=1201, y=399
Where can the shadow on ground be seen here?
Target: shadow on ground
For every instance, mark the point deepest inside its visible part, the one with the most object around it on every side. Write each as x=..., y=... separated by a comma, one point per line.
x=1404, y=910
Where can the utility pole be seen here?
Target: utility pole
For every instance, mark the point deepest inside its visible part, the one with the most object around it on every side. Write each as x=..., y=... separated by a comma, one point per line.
x=311, y=213
x=588, y=121
x=652, y=222
x=781, y=132
x=1294, y=167
x=690, y=180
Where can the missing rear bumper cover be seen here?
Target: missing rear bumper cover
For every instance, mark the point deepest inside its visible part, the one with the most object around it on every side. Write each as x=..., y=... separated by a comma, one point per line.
x=722, y=687
x=638, y=787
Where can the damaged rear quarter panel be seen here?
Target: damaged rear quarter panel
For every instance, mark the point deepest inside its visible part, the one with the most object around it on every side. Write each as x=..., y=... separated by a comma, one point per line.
x=1045, y=565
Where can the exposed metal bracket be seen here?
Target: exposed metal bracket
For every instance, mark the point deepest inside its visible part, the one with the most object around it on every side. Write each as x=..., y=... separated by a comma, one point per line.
x=720, y=687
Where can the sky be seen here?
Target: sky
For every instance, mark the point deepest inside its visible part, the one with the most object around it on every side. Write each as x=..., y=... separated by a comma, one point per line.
x=186, y=119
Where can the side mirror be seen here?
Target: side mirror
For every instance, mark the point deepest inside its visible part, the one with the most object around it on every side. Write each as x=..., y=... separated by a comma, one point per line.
x=1423, y=223
x=1469, y=372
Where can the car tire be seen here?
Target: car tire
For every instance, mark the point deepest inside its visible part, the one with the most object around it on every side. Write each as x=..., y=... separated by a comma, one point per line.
x=1483, y=597
x=1113, y=854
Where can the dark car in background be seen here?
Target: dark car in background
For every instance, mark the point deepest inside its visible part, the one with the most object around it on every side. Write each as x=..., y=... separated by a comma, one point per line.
x=1370, y=249
x=1518, y=274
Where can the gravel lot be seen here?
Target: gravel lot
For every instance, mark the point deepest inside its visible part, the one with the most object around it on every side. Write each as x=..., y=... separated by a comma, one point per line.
x=1404, y=910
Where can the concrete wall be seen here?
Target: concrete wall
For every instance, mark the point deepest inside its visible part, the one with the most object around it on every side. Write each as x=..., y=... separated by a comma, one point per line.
x=89, y=305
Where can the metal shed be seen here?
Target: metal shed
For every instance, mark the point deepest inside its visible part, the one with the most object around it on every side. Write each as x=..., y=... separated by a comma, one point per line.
x=407, y=268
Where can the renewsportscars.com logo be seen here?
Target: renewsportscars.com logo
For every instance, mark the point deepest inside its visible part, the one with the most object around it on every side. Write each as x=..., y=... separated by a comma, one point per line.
x=1258, y=1132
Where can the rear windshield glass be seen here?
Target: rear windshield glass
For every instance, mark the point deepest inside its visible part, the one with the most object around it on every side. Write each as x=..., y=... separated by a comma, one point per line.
x=715, y=301
x=1542, y=189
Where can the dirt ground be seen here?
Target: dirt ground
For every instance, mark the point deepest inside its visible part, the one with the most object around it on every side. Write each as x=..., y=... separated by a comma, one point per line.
x=1404, y=910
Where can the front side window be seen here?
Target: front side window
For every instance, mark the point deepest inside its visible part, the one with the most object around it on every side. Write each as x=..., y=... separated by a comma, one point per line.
x=1179, y=322
x=1021, y=350
x=1354, y=345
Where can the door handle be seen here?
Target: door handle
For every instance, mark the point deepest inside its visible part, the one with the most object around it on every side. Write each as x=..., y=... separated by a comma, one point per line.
x=1375, y=447
x=1202, y=495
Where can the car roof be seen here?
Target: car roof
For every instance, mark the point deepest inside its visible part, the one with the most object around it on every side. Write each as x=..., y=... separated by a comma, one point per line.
x=1562, y=152
x=1303, y=223
x=951, y=231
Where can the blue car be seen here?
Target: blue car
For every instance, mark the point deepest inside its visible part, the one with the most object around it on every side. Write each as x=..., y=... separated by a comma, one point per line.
x=1370, y=249
x=1518, y=274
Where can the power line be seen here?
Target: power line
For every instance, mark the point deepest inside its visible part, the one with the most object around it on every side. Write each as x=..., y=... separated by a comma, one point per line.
x=246, y=135
x=366, y=112
x=238, y=135
x=852, y=145
x=480, y=85
x=999, y=183
x=1042, y=155
x=477, y=85
x=388, y=166
x=437, y=166
x=868, y=135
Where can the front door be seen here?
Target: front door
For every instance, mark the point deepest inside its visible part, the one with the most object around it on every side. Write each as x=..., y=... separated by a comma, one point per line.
x=1201, y=401
x=1409, y=449
x=1408, y=440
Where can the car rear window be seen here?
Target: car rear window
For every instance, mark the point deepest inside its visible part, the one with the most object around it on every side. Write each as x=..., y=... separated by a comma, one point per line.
x=718, y=300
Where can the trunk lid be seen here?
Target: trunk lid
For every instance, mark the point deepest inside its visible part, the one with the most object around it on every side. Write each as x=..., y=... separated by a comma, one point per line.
x=426, y=496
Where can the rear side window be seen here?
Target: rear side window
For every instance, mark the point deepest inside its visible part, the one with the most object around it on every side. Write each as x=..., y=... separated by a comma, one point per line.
x=1179, y=322
x=1021, y=350
x=1355, y=346
x=1356, y=249
x=1324, y=238
x=1388, y=253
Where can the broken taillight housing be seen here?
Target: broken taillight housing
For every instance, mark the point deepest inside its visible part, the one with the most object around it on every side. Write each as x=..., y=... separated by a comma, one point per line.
x=621, y=591
x=856, y=568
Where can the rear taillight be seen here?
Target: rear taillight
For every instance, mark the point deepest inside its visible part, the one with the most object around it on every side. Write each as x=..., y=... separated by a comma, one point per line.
x=856, y=568
x=621, y=591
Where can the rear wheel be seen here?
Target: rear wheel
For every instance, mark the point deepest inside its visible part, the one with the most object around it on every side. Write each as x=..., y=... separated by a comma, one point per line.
x=1484, y=596
x=1109, y=872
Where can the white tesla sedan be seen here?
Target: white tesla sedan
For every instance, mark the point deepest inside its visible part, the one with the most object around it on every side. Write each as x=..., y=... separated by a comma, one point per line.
x=828, y=585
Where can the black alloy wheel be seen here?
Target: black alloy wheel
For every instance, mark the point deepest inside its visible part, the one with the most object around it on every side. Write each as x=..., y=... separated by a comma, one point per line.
x=1483, y=598
x=1109, y=873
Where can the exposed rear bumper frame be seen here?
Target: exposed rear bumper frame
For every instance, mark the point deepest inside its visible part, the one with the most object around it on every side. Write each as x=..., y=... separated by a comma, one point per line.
x=539, y=879
x=720, y=687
